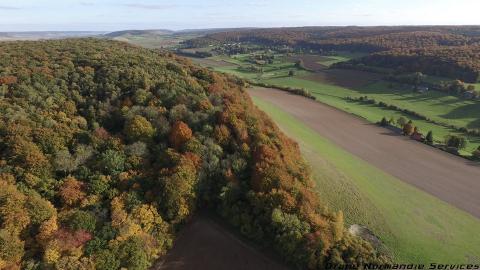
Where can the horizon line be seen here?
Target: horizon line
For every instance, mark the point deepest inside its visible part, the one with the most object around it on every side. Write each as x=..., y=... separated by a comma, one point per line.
x=241, y=27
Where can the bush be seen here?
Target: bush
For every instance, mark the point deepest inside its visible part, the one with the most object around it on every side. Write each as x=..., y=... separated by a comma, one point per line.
x=384, y=122
x=455, y=141
x=429, y=138
x=401, y=121
x=476, y=153
x=408, y=128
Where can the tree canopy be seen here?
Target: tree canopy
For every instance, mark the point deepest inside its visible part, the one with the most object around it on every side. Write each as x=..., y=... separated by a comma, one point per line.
x=106, y=149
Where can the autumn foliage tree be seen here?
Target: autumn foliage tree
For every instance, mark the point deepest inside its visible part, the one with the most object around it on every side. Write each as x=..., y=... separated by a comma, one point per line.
x=139, y=128
x=408, y=128
x=71, y=191
x=179, y=134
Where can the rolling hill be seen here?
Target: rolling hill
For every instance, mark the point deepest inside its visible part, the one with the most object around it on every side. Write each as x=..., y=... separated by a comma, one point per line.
x=158, y=32
x=37, y=35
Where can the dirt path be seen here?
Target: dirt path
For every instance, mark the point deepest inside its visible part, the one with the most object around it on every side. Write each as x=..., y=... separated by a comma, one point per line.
x=204, y=244
x=449, y=178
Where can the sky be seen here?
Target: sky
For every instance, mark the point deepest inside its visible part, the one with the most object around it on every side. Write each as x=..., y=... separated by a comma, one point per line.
x=112, y=15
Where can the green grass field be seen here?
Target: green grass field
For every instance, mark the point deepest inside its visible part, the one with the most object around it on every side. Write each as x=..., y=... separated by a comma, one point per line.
x=435, y=105
x=270, y=71
x=442, y=108
x=340, y=57
x=414, y=226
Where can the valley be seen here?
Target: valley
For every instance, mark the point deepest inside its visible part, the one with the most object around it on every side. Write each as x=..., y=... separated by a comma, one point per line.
x=335, y=86
x=239, y=148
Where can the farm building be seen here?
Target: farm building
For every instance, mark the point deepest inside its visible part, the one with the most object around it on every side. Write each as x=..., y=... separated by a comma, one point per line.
x=423, y=89
x=470, y=94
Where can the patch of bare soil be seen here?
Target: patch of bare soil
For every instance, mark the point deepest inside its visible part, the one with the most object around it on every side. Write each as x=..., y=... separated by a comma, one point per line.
x=310, y=61
x=344, y=77
x=450, y=178
x=204, y=244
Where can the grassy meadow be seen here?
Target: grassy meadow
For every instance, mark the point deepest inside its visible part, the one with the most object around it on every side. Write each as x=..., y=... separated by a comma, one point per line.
x=341, y=57
x=434, y=105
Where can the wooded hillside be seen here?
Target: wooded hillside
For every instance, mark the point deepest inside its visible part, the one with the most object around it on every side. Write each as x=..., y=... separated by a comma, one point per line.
x=107, y=149
x=449, y=51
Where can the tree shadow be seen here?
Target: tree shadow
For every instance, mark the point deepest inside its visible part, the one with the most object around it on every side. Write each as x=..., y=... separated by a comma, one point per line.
x=474, y=124
x=466, y=111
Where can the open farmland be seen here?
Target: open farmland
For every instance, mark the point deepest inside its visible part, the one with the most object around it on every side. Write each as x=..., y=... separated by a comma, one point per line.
x=203, y=237
x=450, y=178
x=334, y=86
x=344, y=78
x=321, y=62
x=433, y=104
x=311, y=62
x=413, y=225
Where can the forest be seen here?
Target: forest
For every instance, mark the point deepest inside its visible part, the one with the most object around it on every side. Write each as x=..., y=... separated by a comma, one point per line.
x=107, y=150
x=447, y=51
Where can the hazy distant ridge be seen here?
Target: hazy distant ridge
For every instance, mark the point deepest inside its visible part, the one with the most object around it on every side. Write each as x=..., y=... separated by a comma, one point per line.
x=34, y=35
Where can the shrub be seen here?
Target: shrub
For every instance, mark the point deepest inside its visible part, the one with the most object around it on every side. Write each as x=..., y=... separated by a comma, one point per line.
x=429, y=138
x=384, y=122
x=408, y=128
x=476, y=153
x=401, y=121
x=455, y=141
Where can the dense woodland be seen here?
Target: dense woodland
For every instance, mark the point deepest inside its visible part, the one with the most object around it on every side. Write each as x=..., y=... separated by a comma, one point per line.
x=449, y=51
x=106, y=150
